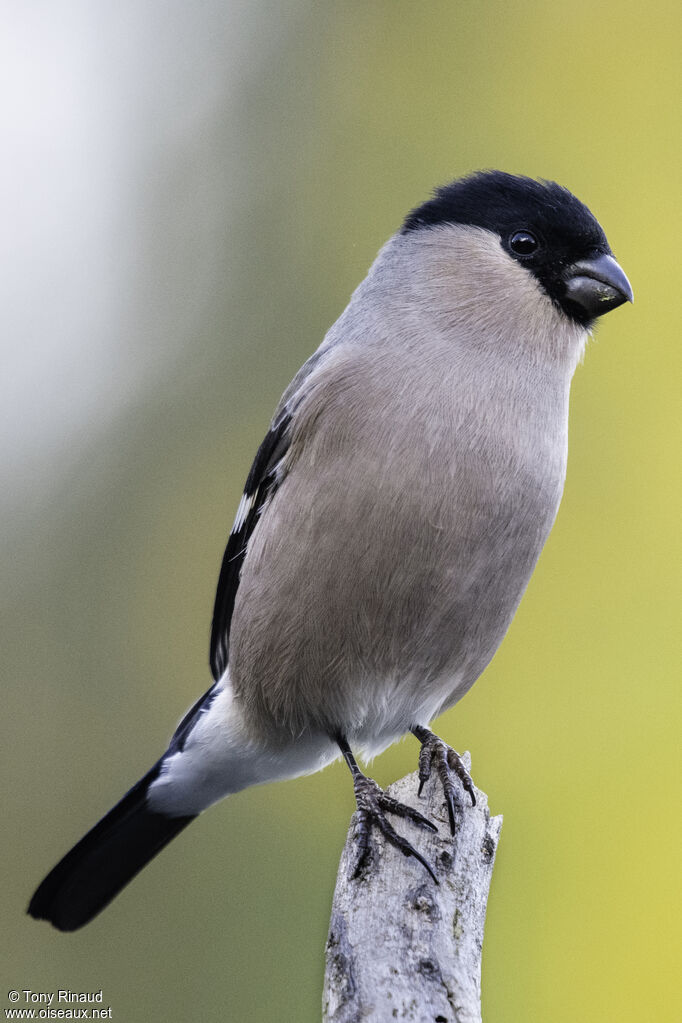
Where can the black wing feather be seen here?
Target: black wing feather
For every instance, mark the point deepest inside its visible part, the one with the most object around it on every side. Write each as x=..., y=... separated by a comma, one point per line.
x=261, y=484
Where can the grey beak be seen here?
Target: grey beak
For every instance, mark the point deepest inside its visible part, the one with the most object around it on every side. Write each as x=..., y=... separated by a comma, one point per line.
x=597, y=285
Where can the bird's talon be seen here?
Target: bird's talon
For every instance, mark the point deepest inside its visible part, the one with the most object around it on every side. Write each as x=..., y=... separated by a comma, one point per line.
x=405, y=847
x=425, y=863
x=450, y=803
x=390, y=805
x=373, y=805
x=447, y=762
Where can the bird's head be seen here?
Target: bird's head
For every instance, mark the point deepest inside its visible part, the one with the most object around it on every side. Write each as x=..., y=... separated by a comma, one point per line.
x=542, y=227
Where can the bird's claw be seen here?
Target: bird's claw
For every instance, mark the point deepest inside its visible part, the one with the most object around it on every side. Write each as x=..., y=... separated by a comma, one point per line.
x=373, y=805
x=447, y=762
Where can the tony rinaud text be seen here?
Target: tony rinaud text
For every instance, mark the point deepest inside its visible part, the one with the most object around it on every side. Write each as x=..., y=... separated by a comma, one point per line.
x=62, y=995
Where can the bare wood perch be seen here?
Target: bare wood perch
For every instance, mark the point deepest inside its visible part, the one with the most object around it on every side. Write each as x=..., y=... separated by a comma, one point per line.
x=400, y=947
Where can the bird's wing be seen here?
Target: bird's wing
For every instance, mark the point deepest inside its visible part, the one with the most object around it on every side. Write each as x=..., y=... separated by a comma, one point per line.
x=262, y=481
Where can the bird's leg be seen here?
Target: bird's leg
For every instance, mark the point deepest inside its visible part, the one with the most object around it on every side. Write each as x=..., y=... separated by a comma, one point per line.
x=373, y=805
x=447, y=762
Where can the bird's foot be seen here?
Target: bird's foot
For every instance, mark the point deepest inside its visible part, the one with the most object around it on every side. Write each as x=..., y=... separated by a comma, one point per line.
x=373, y=805
x=435, y=752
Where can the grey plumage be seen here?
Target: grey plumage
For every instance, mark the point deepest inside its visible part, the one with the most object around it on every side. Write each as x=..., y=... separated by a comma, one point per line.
x=411, y=477
x=435, y=431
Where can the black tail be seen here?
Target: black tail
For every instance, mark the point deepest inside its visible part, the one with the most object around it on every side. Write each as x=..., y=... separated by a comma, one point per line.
x=105, y=860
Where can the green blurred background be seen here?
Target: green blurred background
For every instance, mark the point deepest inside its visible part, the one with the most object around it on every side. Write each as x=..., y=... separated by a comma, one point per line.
x=191, y=193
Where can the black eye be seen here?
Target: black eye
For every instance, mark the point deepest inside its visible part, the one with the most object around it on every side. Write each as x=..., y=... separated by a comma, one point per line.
x=523, y=243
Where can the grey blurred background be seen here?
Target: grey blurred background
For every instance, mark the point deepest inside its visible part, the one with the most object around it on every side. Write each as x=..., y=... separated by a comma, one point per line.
x=190, y=193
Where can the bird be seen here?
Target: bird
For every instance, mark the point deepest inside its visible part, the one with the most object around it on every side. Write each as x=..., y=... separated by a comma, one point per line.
x=389, y=525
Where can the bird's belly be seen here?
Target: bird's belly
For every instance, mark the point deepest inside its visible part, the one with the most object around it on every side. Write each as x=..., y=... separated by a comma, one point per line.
x=391, y=627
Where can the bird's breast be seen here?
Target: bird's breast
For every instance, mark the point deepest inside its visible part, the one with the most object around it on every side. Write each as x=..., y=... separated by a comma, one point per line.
x=384, y=574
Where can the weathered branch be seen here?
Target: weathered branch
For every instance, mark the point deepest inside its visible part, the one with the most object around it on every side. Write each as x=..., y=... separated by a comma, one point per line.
x=399, y=946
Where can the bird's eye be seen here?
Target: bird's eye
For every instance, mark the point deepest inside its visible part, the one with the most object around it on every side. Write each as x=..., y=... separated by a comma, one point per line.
x=523, y=243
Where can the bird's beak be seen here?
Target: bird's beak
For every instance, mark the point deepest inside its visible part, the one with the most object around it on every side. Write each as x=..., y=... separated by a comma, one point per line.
x=597, y=285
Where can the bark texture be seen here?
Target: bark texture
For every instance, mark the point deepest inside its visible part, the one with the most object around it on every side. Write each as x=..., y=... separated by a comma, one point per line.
x=399, y=946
